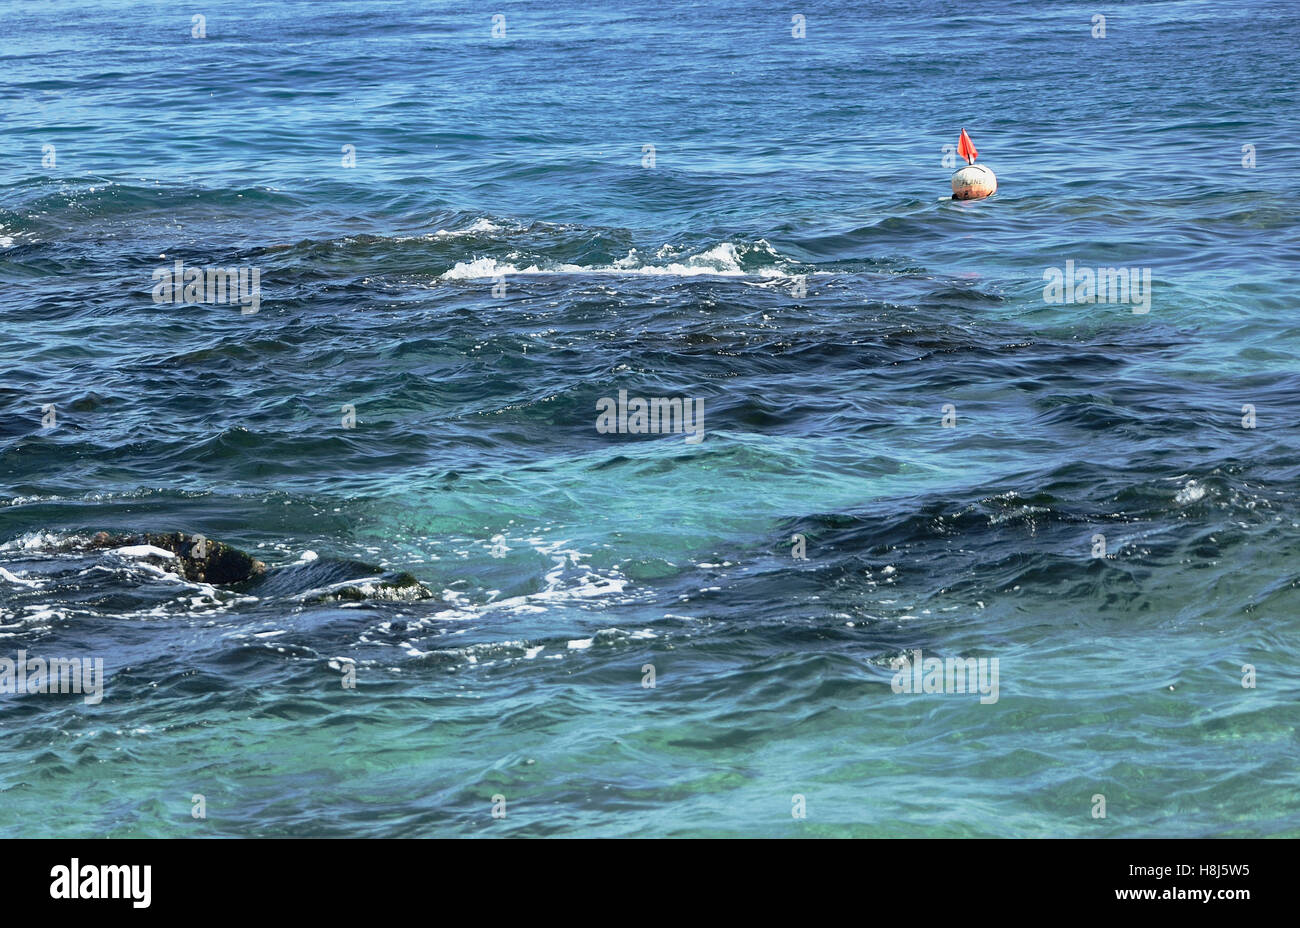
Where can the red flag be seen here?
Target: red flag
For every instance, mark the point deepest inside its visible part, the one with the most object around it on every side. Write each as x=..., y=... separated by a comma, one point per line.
x=966, y=148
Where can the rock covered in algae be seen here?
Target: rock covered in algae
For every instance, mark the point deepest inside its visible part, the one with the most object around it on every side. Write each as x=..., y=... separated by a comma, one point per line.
x=202, y=560
x=198, y=559
x=391, y=586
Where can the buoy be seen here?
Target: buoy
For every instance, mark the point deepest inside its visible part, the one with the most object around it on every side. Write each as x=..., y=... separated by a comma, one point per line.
x=974, y=181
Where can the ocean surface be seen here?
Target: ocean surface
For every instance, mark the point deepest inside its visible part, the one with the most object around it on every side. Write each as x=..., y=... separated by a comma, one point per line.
x=469, y=232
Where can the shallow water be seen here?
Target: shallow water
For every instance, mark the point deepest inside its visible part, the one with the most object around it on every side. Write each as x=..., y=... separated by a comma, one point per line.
x=792, y=260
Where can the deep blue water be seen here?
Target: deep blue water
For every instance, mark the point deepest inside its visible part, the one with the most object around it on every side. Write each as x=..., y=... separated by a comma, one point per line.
x=791, y=259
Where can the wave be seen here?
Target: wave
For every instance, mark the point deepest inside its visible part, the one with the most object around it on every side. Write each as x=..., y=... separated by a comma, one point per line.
x=726, y=259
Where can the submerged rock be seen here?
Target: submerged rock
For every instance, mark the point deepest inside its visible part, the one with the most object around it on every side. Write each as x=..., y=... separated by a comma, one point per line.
x=198, y=559
x=392, y=586
x=201, y=560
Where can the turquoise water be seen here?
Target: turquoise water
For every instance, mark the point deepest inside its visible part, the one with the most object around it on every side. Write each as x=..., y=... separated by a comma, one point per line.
x=791, y=258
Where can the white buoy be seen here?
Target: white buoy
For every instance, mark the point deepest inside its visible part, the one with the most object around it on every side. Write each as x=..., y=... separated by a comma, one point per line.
x=973, y=182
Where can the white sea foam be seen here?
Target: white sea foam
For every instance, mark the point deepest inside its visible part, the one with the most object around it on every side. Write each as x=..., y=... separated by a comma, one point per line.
x=477, y=227
x=18, y=581
x=42, y=614
x=722, y=260
x=143, y=551
x=37, y=541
